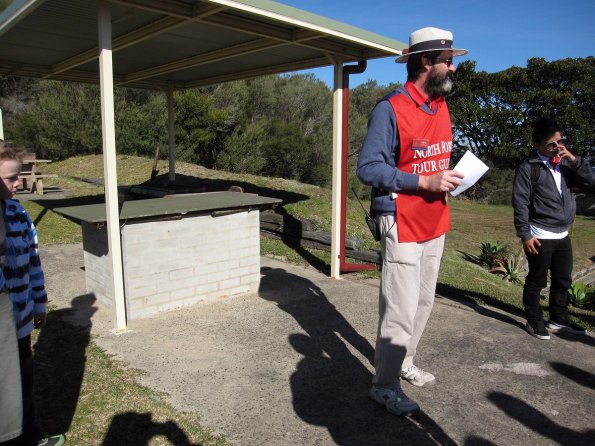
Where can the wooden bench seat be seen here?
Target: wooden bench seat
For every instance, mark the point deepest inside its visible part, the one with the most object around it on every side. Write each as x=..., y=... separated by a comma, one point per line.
x=33, y=182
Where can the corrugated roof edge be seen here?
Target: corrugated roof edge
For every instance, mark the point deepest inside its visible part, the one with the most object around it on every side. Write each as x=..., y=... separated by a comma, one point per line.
x=316, y=22
x=16, y=11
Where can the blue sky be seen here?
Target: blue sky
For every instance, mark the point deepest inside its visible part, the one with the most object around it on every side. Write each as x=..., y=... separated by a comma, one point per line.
x=497, y=33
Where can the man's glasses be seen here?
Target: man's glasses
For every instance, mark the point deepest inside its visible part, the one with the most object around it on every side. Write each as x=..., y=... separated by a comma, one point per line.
x=553, y=144
x=447, y=61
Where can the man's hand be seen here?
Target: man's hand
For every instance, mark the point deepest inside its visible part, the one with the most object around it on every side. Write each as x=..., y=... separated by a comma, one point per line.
x=444, y=181
x=39, y=320
x=530, y=246
x=563, y=152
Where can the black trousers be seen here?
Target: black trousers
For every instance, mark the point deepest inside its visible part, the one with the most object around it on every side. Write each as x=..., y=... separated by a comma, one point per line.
x=554, y=256
x=31, y=432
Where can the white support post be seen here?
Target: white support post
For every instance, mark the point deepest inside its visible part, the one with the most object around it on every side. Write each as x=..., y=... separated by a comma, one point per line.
x=106, y=76
x=1, y=127
x=336, y=182
x=171, y=133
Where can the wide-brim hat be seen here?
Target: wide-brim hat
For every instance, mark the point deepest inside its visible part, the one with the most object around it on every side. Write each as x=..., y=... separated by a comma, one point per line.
x=429, y=39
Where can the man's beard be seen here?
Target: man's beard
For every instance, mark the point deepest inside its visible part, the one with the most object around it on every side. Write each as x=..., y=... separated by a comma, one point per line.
x=438, y=85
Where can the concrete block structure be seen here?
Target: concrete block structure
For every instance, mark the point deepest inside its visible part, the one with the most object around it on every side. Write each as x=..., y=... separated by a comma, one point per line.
x=179, y=259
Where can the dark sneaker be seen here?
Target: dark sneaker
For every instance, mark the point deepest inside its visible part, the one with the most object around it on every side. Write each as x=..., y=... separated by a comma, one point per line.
x=537, y=329
x=394, y=400
x=565, y=327
x=56, y=440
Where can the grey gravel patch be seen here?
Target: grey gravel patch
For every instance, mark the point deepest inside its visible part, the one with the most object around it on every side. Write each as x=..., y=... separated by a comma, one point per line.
x=518, y=368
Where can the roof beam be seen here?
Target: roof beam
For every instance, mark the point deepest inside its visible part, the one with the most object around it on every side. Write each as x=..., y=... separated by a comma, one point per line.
x=138, y=35
x=88, y=77
x=119, y=43
x=201, y=59
x=168, y=7
x=221, y=17
x=281, y=68
x=301, y=37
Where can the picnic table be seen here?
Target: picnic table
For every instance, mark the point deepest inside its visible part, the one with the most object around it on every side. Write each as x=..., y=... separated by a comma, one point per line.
x=31, y=177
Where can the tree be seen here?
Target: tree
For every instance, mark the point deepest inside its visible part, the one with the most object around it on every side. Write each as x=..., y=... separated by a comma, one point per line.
x=493, y=112
x=200, y=128
x=362, y=100
x=64, y=121
x=243, y=149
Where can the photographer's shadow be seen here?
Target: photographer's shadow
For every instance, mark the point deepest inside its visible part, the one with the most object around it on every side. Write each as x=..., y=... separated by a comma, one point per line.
x=137, y=429
x=60, y=358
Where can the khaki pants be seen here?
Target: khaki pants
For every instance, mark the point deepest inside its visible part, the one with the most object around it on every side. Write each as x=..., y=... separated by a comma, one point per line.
x=11, y=412
x=408, y=285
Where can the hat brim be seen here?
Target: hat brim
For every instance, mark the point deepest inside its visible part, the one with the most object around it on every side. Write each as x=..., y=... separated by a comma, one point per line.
x=455, y=52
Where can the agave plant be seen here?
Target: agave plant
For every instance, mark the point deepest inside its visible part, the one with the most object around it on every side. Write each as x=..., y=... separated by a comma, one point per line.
x=491, y=252
x=511, y=268
x=581, y=294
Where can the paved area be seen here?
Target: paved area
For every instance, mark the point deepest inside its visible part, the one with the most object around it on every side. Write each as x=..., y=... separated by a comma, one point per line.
x=291, y=365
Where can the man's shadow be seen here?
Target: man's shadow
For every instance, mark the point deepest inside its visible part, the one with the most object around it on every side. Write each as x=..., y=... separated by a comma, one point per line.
x=330, y=385
x=539, y=422
x=60, y=358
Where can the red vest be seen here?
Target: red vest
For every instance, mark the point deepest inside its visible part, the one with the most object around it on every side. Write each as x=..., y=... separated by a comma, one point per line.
x=425, y=142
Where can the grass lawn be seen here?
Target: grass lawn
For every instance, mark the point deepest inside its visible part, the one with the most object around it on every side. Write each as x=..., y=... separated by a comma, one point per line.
x=112, y=405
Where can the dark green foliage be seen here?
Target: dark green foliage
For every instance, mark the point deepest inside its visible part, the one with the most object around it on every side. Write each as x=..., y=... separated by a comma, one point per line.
x=362, y=100
x=243, y=149
x=200, y=128
x=511, y=268
x=491, y=253
x=64, y=119
x=581, y=294
x=286, y=151
x=493, y=113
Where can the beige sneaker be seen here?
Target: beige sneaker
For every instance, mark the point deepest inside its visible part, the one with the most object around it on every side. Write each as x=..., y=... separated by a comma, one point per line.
x=417, y=376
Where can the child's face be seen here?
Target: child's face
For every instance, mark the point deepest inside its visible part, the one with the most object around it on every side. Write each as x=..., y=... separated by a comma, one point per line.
x=9, y=172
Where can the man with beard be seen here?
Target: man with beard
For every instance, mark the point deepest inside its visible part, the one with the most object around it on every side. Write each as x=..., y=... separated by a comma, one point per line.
x=405, y=158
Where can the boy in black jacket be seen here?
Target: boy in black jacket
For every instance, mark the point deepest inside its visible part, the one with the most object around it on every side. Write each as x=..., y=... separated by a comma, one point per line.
x=544, y=209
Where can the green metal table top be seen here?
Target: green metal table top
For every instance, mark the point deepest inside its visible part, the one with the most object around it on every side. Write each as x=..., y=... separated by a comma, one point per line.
x=171, y=206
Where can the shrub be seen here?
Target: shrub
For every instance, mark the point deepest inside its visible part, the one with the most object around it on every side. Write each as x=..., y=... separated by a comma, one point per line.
x=491, y=252
x=511, y=268
x=581, y=294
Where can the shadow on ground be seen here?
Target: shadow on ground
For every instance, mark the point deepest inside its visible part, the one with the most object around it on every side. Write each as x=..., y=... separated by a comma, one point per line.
x=61, y=361
x=470, y=299
x=330, y=385
x=133, y=428
x=533, y=419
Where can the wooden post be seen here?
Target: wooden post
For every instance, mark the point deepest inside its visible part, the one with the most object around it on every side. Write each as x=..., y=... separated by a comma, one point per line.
x=336, y=181
x=108, y=131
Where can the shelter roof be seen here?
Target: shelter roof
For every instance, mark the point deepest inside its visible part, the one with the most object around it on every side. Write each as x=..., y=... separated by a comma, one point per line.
x=183, y=43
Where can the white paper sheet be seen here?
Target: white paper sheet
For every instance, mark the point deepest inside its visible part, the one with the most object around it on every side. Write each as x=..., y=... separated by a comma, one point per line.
x=473, y=168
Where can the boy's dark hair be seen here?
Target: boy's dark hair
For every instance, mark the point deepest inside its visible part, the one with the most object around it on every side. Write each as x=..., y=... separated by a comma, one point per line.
x=543, y=129
x=414, y=65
